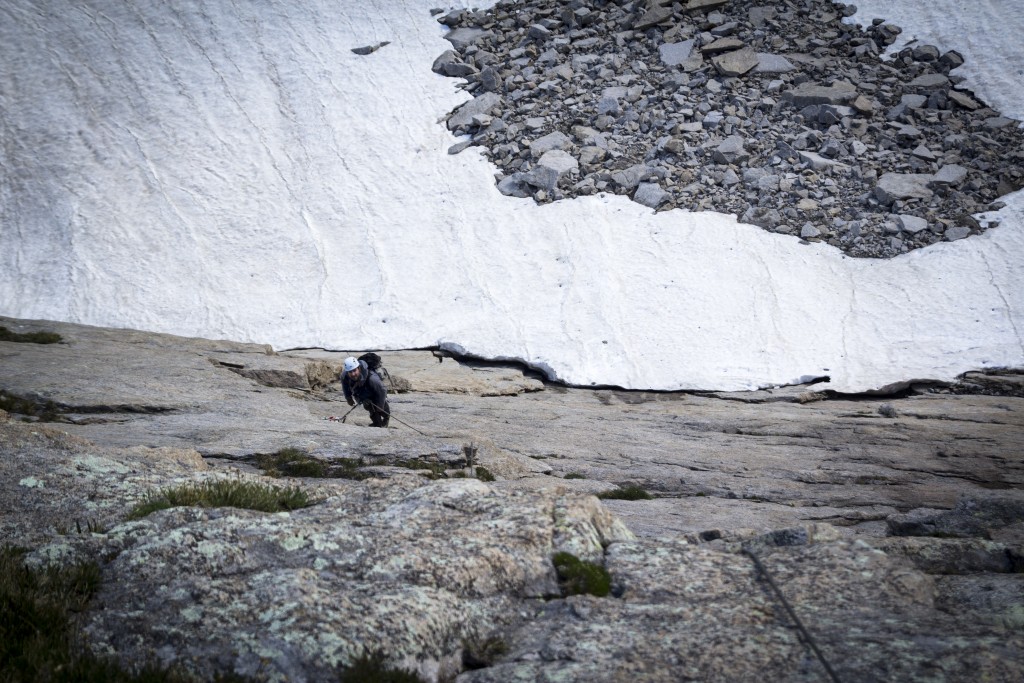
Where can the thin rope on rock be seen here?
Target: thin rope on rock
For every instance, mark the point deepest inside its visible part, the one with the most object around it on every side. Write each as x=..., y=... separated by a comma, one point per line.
x=792, y=615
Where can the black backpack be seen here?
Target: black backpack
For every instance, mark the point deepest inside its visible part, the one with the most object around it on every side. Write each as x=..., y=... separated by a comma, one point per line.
x=375, y=364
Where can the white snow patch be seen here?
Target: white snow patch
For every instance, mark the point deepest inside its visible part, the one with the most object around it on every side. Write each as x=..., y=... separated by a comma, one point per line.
x=233, y=170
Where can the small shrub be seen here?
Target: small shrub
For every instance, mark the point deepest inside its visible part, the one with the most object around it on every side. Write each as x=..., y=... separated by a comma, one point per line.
x=30, y=337
x=248, y=495
x=484, y=474
x=576, y=577
x=573, y=475
x=628, y=492
x=44, y=411
x=480, y=653
x=372, y=669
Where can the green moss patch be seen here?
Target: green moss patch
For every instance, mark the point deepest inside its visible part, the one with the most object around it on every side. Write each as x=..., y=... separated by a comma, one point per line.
x=295, y=462
x=291, y=462
x=436, y=469
x=30, y=337
x=628, y=492
x=247, y=495
x=577, y=577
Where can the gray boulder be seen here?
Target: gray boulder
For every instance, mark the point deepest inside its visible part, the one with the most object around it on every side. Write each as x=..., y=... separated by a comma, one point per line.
x=912, y=224
x=650, y=194
x=674, y=54
x=559, y=161
x=731, y=151
x=462, y=117
x=930, y=82
x=892, y=186
x=958, y=232
x=514, y=186
x=964, y=100
x=950, y=174
x=653, y=17
x=461, y=38
x=555, y=140
x=772, y=64
x=819, y=162
x=735, y=63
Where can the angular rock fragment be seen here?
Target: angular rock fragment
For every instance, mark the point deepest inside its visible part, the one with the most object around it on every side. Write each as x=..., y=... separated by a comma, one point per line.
x=810, y=93
x=370, y=49
x=735, y=63
x=773, y=64
x=651, y=195
x=461, y=38
x=963, y=99
x=892, y=186
x=956, y=233
x=450, y=64
x=674, y=54
x=555, y=140
x=462, y=117
x=653, y=17
x=930, y=82
x=704, y=5
x=950, y=174
x=912, y=224
x=721, y=45
x=819, y=162
x=731, y=151
x=560, y=161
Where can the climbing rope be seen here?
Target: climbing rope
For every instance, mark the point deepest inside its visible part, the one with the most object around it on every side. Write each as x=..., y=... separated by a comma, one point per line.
x=792, y=615
x=396, y=419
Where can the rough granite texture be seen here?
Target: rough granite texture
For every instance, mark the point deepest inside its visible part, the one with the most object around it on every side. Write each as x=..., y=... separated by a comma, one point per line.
x=425, y=570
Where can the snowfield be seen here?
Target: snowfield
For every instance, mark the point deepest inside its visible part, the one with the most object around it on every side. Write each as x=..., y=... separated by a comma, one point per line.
x=233, y=170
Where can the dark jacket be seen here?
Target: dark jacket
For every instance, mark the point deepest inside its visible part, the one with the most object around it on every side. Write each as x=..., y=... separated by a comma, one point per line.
x=368, y=388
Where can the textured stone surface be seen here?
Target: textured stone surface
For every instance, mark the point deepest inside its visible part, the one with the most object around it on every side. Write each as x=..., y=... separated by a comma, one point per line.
x=420, y=569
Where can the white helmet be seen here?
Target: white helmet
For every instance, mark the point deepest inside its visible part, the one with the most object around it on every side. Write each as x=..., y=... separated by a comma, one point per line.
x=351, y=364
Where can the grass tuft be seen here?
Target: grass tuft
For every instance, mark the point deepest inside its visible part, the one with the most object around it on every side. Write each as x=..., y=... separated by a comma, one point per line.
x=484, y=474
x=38, y=630
x=30, y=337
x=248, y=495
x=627, y=492
x=37, y=625
x=372, y=669
x=577, y=577
x=573, y=475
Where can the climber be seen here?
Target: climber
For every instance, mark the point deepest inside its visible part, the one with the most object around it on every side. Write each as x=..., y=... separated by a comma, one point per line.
x=362, y=384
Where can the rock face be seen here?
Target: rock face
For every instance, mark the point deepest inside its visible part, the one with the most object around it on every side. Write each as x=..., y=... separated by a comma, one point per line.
x=893, y=526
x=664, y=84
